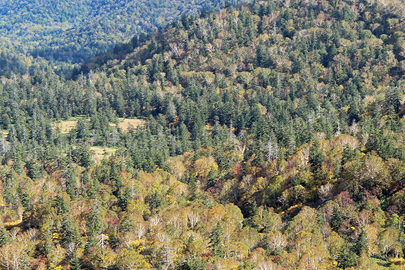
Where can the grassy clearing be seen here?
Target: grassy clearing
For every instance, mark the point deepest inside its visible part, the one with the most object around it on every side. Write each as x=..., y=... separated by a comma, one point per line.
x=100, y=152
x=65, y=126
x=125, y=123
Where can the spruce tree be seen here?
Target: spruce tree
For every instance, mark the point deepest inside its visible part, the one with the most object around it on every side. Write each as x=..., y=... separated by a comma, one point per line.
x=353, y=112
x=346, y=258
x=216, y=241
x=127, y=224
x=336, y=220
x=348, y=153
x=27, y=202
x=361, y=244
x=71, y=183
x=95, y=220
x=262, y=56
x=155, y=200
x=48, y=245
x=62, y=204
x=316, y=156
x=76, y=264
x=4, y=236
x=70, y=231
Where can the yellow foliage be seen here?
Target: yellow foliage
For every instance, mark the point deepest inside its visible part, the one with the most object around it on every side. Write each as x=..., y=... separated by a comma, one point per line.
x=79, y=252
x=56, y=256
x=129, y=259
x=335, y=243
x=56, y=236
x=13, y=223
x=156, y=187
x=170, y=199
x=240, y=250
x=216, y=214
x=397, y=261
x=372, y=231
x=177, y=167
x=226, y=264
x=235, y=213
x=260, y=184
x=107, y=258
x=136, y=243
x=137, y=206
x=204, y=165
x=379, y=217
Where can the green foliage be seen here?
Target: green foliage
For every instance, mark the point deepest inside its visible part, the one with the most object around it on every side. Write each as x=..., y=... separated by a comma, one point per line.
x=348, y=154
x=193, y=262
x=82, y=154
x=155, y=200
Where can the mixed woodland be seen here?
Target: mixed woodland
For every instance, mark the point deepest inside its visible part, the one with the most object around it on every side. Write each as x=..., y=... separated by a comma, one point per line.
x=270, y=136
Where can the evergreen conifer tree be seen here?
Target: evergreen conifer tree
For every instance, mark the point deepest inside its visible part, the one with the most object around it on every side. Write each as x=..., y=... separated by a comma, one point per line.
x=70, y=232
x=4, y=236
x=346, y=258
x=361, y=244
x=48, y=245
x=316, y=156
x=216, y=241
x=76, y=264
x=95, y=220
x=62, y=205
x=336, y=220
x=71, y=183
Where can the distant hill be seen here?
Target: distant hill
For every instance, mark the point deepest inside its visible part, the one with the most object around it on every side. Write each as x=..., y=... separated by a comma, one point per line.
x=73, y=31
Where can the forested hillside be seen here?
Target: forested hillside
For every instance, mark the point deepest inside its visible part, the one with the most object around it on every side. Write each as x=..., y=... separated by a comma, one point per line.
x=262, y=136
x=34, y=32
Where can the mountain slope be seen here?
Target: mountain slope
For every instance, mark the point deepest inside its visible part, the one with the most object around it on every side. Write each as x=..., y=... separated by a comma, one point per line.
x=268, y=135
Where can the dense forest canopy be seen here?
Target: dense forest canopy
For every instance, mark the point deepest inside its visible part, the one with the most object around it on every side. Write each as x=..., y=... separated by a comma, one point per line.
x=35, y=33
x=263, y=136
